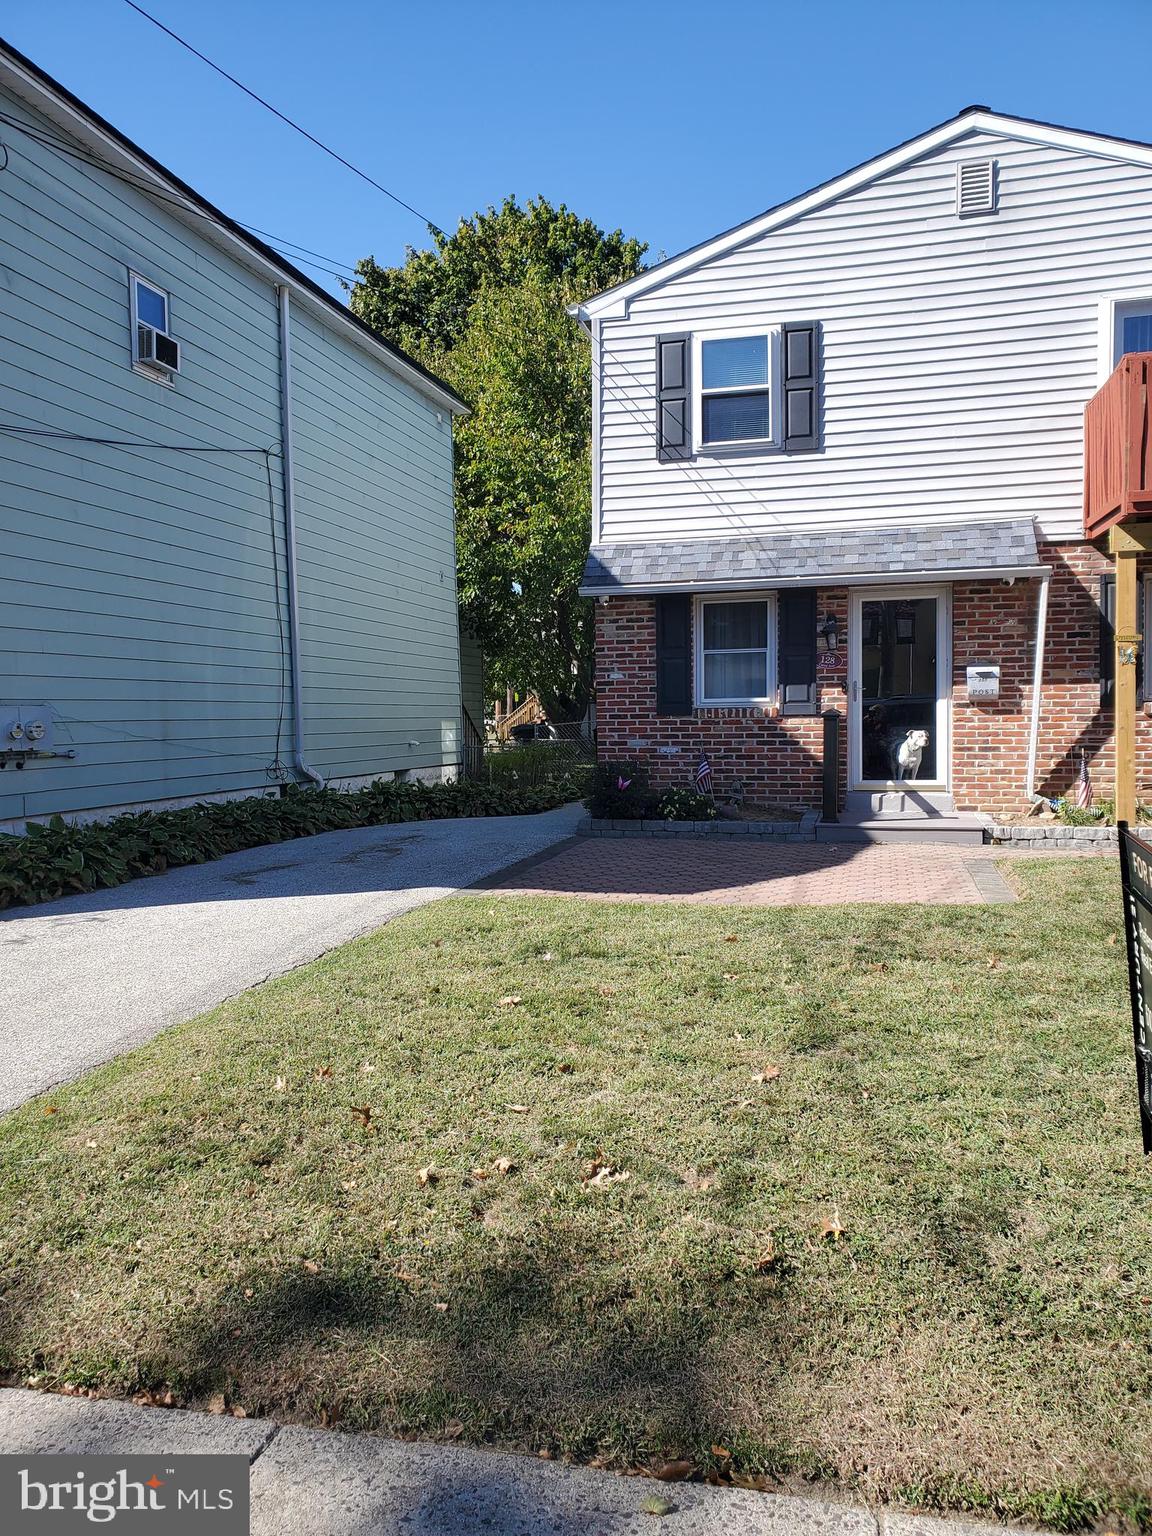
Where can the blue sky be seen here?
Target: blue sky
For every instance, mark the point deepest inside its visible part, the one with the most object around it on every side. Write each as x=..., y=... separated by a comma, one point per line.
x=671, y=120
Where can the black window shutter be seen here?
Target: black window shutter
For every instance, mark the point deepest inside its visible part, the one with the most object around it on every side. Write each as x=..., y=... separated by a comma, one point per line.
x=674, y=654
x=800, y=345
x=797, y=650
x=673, y=398
x=1107, y=633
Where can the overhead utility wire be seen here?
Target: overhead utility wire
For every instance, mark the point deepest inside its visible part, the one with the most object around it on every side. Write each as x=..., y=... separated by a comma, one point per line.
x=311, y=137
x=79, y=153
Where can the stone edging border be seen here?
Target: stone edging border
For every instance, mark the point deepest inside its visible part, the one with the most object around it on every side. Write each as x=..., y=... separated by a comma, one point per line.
x=1017, y=836
x=1051, y=835
x=802, y=831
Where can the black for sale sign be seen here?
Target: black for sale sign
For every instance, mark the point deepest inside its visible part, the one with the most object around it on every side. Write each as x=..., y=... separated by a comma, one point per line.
x=1136, y=874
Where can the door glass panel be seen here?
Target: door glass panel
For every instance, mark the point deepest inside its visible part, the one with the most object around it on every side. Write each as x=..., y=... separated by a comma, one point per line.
x=898, y=688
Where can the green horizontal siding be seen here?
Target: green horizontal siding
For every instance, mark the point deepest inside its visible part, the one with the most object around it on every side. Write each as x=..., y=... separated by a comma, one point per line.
x=143, y=592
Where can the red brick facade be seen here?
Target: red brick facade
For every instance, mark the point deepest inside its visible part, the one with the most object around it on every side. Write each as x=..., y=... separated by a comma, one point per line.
x=779, y=758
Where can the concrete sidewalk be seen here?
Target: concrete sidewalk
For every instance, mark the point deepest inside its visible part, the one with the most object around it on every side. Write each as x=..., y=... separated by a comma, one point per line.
x=88, y=977
x=323, y=1483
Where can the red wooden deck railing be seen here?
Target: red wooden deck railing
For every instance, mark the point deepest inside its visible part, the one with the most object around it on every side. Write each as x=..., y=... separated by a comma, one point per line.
x=1118, y=448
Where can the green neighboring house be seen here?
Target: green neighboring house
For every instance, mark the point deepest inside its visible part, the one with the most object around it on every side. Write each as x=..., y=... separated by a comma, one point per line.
x=227, y=556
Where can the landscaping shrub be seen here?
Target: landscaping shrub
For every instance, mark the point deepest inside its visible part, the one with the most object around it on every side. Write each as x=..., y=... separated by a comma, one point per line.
x=620, y=792
x=536, y=765
x=686, y=805
x=61, y=858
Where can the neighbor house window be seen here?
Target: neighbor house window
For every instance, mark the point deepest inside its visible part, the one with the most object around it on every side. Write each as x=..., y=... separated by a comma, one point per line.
x=153, y=349
x=1131, y=327
x=735, y=660
x=737, y=389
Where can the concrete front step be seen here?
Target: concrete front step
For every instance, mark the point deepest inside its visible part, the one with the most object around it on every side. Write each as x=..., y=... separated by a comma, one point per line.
x=965, y=830
x=897, y=800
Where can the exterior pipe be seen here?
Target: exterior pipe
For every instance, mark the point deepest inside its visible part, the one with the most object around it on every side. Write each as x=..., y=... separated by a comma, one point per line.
x=1037, y=678
x=298, y=759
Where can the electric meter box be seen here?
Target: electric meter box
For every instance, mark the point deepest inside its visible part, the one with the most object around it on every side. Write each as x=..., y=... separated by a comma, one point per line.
x=26, y=728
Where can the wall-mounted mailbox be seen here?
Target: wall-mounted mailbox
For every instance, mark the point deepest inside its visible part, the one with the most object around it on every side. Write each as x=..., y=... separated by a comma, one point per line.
x=983, y=683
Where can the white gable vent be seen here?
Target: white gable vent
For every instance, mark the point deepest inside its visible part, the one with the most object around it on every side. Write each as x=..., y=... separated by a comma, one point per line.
x=976, y=187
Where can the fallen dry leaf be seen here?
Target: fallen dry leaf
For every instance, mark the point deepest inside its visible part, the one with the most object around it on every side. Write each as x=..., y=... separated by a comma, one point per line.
x=367, y=1067
x=453, y=1429
x=729, y=975
x=731, y=938
x=322, y=1072
x=426, y=1176
x=440, y=1306
x=281, y=1085
x=362, y=1113
x=518, y=1109
x=655, y=1505
x=830, y=1227
x=766, y=1259
x=510, y=1002
x=51, y=1109
x=993, y=962
x=91, y=1143
x=311, y=1266
x=218, y=1403
x=608, y=1175
x=674, y=1471
x=766, y=1075
x=239, y=1413
x=504, y=1165
x=481, y=1173
x=719, y=1450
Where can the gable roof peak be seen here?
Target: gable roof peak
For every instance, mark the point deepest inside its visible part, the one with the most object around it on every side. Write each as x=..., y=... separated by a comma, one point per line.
x=975, y=119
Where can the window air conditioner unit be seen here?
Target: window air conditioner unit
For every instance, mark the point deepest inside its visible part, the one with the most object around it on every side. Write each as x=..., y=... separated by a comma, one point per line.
x=157, y=350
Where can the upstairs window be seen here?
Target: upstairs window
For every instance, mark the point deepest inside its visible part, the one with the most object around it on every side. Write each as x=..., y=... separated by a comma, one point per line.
x=737, y=389
x=153, y=349
x=735, y=662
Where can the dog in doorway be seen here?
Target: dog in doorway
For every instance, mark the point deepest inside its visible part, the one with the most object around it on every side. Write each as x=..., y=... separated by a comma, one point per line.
x=907, y=752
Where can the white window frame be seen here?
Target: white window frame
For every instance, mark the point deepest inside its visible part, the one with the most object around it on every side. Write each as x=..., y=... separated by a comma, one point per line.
x=701, y=603
x=774, y=388
x=140, y=364
x=1114, y=309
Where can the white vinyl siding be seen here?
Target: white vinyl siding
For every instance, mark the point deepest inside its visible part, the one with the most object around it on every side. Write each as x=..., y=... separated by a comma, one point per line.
x=958, y=353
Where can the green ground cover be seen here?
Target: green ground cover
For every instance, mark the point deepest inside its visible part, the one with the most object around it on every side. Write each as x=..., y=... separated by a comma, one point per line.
x=851, y=1194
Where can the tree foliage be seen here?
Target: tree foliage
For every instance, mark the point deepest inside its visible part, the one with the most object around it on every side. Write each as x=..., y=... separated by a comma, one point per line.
x=486, y=310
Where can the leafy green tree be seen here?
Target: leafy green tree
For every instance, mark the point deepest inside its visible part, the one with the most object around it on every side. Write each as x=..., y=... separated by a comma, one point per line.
x=486, y=309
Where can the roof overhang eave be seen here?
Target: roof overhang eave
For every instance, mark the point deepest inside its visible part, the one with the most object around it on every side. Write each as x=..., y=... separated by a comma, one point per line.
x=828, y=579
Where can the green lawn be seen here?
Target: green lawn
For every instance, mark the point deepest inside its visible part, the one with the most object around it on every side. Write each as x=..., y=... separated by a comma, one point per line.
x=955, y=1092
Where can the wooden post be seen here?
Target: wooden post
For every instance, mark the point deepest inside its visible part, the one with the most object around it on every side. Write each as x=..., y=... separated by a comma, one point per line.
x=1126, y=542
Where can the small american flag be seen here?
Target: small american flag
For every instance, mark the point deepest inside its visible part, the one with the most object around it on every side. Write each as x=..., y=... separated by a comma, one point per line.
x=1083, y=785
x=703, y=776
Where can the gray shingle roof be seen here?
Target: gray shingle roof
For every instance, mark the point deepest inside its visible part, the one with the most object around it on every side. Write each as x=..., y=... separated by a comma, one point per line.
x=810, y=559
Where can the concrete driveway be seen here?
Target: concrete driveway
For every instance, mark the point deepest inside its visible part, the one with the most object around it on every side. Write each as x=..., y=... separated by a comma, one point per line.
x=87, y=977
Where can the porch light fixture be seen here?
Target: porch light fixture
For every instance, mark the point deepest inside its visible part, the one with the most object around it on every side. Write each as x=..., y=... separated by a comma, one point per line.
x=827, y=636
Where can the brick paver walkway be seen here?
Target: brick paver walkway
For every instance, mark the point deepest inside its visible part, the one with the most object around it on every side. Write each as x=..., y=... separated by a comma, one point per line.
x=726, y=872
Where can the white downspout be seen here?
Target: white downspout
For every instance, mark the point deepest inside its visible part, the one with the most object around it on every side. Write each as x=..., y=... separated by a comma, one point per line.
x=1037, y=678
x=290, y=542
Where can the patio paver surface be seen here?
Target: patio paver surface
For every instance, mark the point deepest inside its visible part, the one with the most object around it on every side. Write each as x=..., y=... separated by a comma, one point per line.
x=722, y=872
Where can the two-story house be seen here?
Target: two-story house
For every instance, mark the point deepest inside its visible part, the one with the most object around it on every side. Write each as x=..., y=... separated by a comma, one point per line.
x=227, y=555
x=838, y=464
